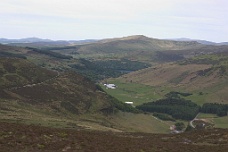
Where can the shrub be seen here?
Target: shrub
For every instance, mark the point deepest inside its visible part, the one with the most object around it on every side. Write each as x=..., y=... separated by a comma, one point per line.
x=179, y=126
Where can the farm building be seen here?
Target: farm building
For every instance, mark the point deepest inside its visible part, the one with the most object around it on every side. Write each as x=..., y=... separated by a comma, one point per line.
x=110, y=86
x=130, y=103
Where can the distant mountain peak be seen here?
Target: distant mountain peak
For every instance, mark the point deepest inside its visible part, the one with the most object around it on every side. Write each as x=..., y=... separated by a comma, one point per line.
x=34, y=39
x=135, y=37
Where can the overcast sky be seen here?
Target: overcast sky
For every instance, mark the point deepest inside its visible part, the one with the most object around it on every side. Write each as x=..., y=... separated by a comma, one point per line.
x=96, y=19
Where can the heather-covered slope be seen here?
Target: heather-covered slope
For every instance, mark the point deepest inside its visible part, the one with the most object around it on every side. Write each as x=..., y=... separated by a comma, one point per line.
x=16, y=137
x=23, y=81
x=34, y=95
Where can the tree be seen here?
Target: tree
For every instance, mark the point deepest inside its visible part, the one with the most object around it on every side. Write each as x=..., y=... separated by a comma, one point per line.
x=178, y=108
x=179, y=126
x=221, y=113
x=215, y=108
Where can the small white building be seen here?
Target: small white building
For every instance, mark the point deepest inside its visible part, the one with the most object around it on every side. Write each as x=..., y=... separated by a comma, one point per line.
x=110, y=86
x=130, y=103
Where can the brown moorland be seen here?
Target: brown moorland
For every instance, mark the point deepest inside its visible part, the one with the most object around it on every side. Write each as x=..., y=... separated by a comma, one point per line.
x=17, y=137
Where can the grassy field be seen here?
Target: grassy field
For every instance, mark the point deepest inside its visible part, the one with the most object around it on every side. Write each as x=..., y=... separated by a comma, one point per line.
x=132, y=92
x=221, y=122
x=141, y=123
x=141, y=93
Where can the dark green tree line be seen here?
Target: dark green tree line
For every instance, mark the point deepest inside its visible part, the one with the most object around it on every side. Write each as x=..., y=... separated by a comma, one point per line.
x=215, y=108
x=178, y=108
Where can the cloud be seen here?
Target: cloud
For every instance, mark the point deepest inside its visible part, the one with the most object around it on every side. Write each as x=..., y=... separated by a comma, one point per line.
x=121, y=16
x=84, y=8
x=111, y=9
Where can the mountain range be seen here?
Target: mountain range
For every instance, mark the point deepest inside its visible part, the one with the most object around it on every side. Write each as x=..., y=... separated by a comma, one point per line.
x=51, y=79
x=53, y=97
x=39, y=41
x=35, y=40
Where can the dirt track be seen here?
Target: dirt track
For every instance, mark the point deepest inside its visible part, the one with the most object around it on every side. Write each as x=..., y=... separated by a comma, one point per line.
x=34, y=84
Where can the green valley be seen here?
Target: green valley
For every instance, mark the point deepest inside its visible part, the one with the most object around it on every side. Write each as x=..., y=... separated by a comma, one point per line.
x=160, y=86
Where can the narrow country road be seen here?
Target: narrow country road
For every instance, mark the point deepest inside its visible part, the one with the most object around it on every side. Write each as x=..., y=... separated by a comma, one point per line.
x=191, y=122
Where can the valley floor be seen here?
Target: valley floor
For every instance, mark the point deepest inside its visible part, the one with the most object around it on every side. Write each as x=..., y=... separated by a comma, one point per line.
x=18, y=137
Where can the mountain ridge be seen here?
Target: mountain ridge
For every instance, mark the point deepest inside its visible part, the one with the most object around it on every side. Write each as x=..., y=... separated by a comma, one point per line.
x=105, y=40
x=62, y=93
x=206, y=42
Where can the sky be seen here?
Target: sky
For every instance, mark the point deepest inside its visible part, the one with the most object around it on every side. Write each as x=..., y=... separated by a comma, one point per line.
x=98, y=19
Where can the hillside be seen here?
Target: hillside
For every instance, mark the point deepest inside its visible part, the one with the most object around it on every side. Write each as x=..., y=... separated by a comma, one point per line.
x=205, y=75
x=18, y=72
x=15, y=137
x=201, y=41
x=201, y=71
x=25, y=82
x=6, y=51
x=138, y=48
x=42, y=58
x=34, y=95
x=114, y=57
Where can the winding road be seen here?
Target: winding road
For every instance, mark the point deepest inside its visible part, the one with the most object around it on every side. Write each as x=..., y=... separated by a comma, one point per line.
x=191, y=122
